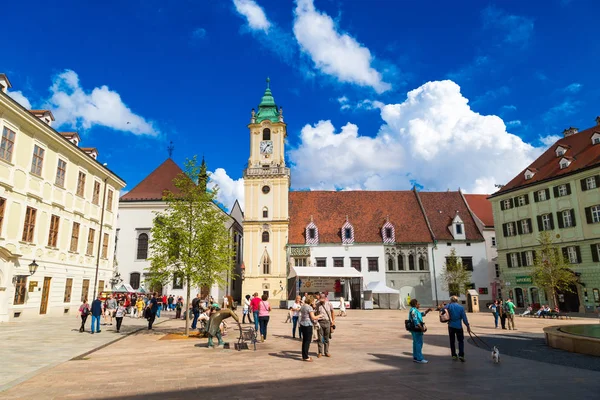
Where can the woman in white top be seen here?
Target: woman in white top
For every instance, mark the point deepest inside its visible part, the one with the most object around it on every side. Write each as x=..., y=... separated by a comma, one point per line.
x=307, y=319
x=247, y=312
x=295, y=310
x=342, y=308
x=119, y=314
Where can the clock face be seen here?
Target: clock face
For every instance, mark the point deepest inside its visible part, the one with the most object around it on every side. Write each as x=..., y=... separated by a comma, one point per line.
x=266, y=147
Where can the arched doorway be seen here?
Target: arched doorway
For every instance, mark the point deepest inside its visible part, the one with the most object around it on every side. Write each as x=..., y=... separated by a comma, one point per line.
x=535, y=297
x=519, y=297
x=568, y=301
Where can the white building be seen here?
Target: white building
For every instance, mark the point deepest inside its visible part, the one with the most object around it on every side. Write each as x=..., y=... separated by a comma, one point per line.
x=137, y=210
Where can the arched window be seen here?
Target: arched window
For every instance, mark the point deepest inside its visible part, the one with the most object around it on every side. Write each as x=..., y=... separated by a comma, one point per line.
x=400, y=262
x=266, y=134
x=265, y=237
x=266, y=266
x=142, y=247
x=390, y=264
x=411, y=262
x=421, y=263
x=265, y=212
x=134, y=280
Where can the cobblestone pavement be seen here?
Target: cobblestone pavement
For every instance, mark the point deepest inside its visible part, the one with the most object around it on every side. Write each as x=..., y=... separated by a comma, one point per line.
x=371, y=359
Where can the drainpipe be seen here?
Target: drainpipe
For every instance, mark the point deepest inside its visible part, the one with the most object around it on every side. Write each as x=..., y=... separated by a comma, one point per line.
x=434, y=274
x=100, y=240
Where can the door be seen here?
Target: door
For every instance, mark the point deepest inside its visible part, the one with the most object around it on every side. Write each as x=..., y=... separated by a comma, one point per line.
x=519, y=297
x=535, y=297
x=568, y=301
x=45, y=293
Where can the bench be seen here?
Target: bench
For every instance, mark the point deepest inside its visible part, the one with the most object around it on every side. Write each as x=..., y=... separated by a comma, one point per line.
x=247, y=336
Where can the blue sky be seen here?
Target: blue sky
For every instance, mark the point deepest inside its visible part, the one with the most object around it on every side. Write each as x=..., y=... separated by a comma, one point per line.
x=376, y=94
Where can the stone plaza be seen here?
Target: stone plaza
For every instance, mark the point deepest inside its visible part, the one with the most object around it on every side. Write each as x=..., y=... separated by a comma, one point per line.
x=371, y=359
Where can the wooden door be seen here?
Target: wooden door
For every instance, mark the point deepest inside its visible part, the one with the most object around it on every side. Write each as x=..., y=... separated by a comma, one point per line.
x=45, y=293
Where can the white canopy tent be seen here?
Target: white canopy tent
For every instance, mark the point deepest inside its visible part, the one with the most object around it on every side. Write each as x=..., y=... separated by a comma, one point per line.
x=384, y=297
x=316, y=277
x=324, y=272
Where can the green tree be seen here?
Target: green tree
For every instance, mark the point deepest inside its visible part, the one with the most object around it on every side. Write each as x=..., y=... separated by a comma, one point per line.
x=189, y=239
x=551, y=271
x=456, y=277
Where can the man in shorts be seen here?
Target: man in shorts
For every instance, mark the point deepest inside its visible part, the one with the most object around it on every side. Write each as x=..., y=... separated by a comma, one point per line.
x=111, y=308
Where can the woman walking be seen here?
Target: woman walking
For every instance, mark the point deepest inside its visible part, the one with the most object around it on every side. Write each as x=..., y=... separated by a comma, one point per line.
x=295, y=310
x=342, y=308
x=264, y=309
x=307, y=319
x=84, y=311
x=178, y=308
x=246, y=311
x=502, y=313
x=417, y=336
x=494, y=308
x=119, y=314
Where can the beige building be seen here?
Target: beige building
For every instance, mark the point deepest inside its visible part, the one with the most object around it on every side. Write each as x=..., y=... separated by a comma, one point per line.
x=57, y=211
x=266, y=188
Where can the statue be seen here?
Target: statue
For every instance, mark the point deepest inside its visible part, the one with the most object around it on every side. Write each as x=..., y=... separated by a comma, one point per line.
x=253, y=118
x=280, y=114
x=214, y=324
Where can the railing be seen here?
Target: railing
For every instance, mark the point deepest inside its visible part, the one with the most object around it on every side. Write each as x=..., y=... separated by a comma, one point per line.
x=251, y=172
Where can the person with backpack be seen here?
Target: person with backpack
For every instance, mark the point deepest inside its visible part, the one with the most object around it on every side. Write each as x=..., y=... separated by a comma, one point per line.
x=494, y=308
x=415, y=320
x=509, y=308
x=455, y=329
x=84, y=311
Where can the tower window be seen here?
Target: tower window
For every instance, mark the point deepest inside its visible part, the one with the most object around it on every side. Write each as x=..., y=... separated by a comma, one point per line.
x=266, y=134
x=348, y=233
x=265, y=237
x=266, y=189
x=311, y=233
x=265, y=212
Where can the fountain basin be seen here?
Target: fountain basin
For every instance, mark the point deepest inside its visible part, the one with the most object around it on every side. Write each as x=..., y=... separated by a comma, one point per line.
x=584, y=339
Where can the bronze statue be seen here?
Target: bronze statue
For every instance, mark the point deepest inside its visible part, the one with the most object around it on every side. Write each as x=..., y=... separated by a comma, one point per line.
x=214, y=325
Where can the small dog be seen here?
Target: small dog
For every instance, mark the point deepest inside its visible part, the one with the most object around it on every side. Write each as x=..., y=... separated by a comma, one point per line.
x=496, y=355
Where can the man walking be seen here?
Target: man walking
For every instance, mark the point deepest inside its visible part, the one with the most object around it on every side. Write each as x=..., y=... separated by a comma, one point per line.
x=196, y=310
x=96, y=314
x=153, y=305
x=455, y=329
x=111, y=308
x=510, y=314
x=327, y=321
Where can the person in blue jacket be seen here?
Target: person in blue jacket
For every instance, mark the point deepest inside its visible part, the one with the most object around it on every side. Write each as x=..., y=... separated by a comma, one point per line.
x=96, y=314
x=417, y=317
x=455, y=329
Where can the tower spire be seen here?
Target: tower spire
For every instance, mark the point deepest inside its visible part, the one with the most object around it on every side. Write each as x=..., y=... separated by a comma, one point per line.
x=267, y=109
x=203, y=175
x=170, y=149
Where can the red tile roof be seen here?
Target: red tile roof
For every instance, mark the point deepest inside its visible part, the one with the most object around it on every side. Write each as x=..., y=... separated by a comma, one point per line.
x=579, y=147
x=366, y=211
x=441, y=208
x=481, y=207
x=154, y=185
x=42, y=112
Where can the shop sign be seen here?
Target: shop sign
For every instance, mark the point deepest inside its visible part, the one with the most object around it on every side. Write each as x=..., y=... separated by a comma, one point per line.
x=524, y=279
x=313, y=285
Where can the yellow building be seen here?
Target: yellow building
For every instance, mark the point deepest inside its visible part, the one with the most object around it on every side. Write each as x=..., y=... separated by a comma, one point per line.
x=266, y=188
x=57, y=211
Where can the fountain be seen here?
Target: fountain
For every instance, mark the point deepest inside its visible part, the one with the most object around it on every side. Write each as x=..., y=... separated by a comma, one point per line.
x=584, y=339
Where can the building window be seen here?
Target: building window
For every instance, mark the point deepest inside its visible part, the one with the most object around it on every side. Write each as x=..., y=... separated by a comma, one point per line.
x=85, y=289
x=68, y=289
x=422, y=263
x=109, y=200
x=321, y=261
x=142, y=246
x=509, y=229
x=53, y=235
x=7, y=144
x=37, y=161
x=497, y=268
x=590, y=183
x=373, y=264
x=266, y=266
x=338, y=262
x=467, y=263
x=355, y=262
x=105, y=246
x=572, y=255
x=400, y=262
x=562, y=190
x=61, y=172
x=300, y=262
x=20, y=289
x=521, y=201
x=100, y=287
x=80, y=184
x=266, y=134
x=134, y=280
x=528, y=258
x=459, y=229
x=347, y=233
x=411, y=262
x=29, y=225
x=507, y=204
x=2, y=207
x=546, y=222
x=74, y=237
x=593, y=214
x=542, y=195
x=388, y=233
x=526, y=226
x=265, y=212
x=90, y=243
x=266, y=189
x=514, y=260
x=96, y=195
x=493, y=241
x=312, y=233
x=390, y=264
x=265, y=237
x=567, y=219
x=178, y=281
x=564, y=164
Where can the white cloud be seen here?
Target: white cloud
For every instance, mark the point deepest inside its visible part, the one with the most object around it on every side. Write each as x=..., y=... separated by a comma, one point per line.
x=73, y=107
x=20, y=98
x=515, y=122
x=334, y=53
x=573, y=87
x=254, y=14
x=198, y=33
x=549, y=140
x=516, y=29
x=366, y=104
x=230, y=190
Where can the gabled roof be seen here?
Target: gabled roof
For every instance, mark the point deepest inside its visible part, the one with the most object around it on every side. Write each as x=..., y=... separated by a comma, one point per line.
x=441, y=209
x=584, y=155
x=42, y=112
x=366, y=211
x=482, y=208
x=152, y=187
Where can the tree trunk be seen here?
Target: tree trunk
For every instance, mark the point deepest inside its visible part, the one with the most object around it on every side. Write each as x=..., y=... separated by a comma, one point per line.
x=554, y=299
x=187, y=307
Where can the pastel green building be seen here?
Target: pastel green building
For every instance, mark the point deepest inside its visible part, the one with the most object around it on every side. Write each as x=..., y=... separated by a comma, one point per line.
x=560, y=193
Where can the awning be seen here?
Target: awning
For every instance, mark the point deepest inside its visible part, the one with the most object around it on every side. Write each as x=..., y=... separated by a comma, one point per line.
x=125, y=288
x=379, y=287
x=324, y=272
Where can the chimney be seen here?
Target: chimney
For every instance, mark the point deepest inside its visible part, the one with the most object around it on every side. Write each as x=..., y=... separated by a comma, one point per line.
x=571, y=131
x=598, y=120
x=4, y=83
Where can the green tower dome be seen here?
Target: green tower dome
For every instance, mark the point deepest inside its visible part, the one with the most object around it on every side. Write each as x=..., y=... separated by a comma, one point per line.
x=267, y=109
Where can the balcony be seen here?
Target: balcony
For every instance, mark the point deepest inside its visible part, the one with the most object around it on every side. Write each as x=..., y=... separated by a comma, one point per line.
x=262, y=172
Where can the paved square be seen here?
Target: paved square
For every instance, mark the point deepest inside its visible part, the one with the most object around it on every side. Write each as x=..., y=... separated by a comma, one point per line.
x=371, y=359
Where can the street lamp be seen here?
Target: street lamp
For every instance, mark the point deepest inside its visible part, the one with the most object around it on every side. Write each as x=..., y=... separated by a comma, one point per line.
x=32, y=268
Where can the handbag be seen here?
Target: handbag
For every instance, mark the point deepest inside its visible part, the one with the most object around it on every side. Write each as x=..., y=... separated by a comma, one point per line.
x=444, y=315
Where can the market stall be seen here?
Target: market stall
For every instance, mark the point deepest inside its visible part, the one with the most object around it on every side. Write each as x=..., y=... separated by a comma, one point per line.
x=383, y=296
x=337, y=282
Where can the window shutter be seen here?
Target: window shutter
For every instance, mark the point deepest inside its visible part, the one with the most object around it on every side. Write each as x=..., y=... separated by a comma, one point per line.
x=588, y=215
x=504, y=230
x=518, y=260
x=508, y=260
x=561, y=223
x=536, y=198
x=512, y=202
x=502, y=206
x=534, y=254
x=583, y=185
x=568, y=188
x=523, y=258
x=539, y=221
x=578, y=252
x=594, y=248
x=555, y=190
x=597, y=179
x=526, y=196
x=519, y=228
x=530, y=225
x=547, y=194
x=565, y=253
x=573, y=221
x=551, y=221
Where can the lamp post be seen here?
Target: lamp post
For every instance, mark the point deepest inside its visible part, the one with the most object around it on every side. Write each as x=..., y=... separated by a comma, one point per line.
x=33, y=267
x=434, y=274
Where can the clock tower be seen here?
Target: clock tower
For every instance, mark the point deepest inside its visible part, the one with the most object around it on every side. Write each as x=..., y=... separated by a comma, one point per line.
x=266, y=192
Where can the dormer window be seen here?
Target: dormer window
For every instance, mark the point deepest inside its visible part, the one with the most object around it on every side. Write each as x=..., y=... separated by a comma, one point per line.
x=529, y=174
x=347, y=233
x=560, y=151
x=564, y=163
x=596, y=138
x=457, y=228
x=312, y=233
x=388, y=232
